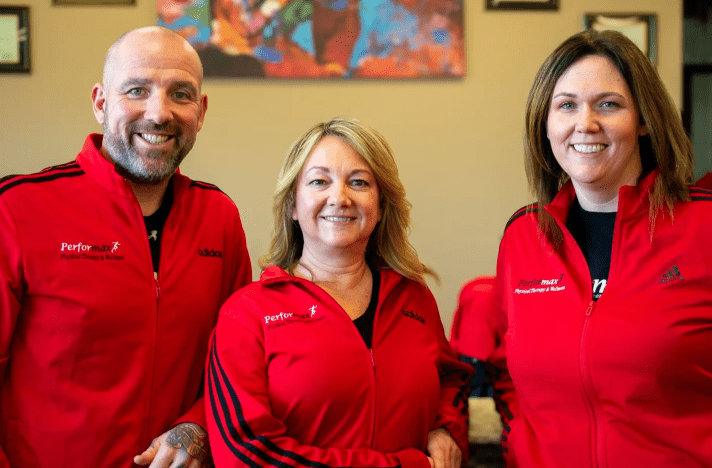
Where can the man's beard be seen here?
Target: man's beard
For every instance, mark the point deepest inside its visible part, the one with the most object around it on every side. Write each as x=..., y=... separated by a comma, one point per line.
x=148, y=167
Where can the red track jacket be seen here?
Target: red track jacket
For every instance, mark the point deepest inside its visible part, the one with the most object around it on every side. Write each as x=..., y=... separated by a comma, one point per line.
x=291, y=383
x=622, y=382
x=96, y=357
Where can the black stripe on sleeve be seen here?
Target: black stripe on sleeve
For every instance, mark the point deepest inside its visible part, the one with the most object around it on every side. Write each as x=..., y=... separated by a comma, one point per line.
x=214, y=388
x=14, y=181
x=204, y=185
x=69, y=165
x=521, y=212
x=702, y=196
x=62, y=167
x=7, y=177
x=215, y=364
x=463, y=391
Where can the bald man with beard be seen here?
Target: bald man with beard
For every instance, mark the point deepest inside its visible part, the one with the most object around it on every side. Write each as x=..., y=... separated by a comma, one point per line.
x=113, y=269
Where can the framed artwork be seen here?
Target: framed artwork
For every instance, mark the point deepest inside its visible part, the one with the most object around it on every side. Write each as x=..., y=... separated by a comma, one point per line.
x=14, y=39
x=94, y=2
x=522, y=5
x=324, y=39
x=641, y=28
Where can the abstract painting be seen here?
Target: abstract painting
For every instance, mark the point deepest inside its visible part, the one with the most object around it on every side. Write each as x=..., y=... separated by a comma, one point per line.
x=322, y=38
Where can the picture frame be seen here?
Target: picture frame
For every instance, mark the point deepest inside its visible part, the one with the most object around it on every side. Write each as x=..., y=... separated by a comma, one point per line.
x=641, y=28
x=93, y=2
x=535, y=5
x=14, y=39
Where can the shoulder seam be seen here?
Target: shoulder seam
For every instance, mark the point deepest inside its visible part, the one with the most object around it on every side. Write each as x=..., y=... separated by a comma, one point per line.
x=205, y=185
x=531, y=208
x=69, y=165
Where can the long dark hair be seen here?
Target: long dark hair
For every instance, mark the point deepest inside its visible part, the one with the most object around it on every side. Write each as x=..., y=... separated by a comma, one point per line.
x=665, y=147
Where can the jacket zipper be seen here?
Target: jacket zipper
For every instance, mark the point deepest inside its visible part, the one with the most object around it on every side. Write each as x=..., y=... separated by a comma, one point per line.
x=370, y=350
x=375, y=400
x=584, y=371
x=373, y=369
x=158, y=287
x=146, y=429
x=157, y=284
x=588, y=386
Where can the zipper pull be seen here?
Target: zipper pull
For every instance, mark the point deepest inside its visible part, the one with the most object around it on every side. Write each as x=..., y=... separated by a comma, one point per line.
x=373, y=359
x=590, y=308
x=158, y=286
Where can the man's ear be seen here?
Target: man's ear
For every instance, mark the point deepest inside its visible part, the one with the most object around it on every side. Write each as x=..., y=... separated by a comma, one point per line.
x=203, y=110
x=98, y=101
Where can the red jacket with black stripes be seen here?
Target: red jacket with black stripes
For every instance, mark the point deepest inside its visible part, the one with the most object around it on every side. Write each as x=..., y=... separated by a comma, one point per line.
x=625, y=381
x=705, y=181
x=290, y=381
x=98, y=357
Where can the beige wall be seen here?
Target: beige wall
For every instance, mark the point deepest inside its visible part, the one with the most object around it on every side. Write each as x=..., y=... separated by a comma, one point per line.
x=457, y=143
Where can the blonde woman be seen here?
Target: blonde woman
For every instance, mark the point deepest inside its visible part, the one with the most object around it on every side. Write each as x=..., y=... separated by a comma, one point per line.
x=337, y=356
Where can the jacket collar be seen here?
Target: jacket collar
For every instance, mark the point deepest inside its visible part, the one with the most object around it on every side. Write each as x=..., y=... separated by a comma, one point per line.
x=631, y=199
x=102, y=171
x=274, y=275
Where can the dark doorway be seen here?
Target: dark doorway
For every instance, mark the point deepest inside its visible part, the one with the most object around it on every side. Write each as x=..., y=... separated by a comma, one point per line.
x=697, y=81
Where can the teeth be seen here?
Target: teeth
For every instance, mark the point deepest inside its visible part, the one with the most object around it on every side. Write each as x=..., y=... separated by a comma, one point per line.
x=155, y=139
x=589, y=148
x=338, y=219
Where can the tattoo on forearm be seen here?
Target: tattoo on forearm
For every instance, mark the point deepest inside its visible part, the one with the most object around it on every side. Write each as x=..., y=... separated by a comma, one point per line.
x=193, y=439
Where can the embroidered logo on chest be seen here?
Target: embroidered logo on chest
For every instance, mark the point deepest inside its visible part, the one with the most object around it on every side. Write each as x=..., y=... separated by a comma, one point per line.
x=537, y=286
x=287, y=318
x=210, y=253
x=413, y=315
x=96, y=252
x=673, y=274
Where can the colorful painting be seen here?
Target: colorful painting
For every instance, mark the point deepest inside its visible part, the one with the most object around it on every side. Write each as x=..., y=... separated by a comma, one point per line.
x=322, y=38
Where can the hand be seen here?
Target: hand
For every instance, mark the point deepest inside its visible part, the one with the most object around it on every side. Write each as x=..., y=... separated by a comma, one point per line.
x=184, y=446
x=443, y=450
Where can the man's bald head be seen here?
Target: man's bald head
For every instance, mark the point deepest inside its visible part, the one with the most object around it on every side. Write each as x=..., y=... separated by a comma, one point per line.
x=147, y=41
x=149, y=103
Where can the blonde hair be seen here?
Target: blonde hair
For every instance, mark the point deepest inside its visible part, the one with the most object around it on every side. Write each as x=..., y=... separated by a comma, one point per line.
x=388, y=245
x=665, y=147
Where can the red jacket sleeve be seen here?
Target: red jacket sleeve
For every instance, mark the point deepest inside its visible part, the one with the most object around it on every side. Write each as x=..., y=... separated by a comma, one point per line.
x=241, y=427
x=196, y=414
x=11, y=292
x=240, y=275
x=241, y=268
x=454, y=381
x=497, y=372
